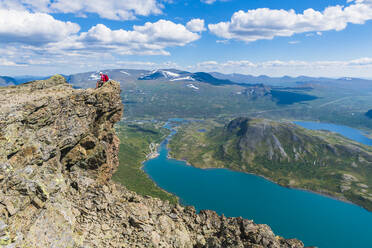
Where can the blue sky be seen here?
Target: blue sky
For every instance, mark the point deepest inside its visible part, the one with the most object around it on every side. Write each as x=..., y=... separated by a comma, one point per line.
x=316, y=38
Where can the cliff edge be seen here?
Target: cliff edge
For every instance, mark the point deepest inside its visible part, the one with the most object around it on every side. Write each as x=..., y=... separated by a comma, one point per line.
x=58, y=150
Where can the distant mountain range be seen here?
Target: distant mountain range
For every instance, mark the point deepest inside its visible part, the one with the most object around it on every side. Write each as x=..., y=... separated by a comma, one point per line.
x=6, y=81
x=86, y=79
x=301, y=81
x=176, y=75
x=25, y=79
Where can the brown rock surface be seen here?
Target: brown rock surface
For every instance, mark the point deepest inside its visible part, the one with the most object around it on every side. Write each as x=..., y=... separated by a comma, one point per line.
x=58, y=150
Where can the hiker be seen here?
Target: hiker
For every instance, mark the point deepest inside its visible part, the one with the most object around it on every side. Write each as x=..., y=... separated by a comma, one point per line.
x=104, y=79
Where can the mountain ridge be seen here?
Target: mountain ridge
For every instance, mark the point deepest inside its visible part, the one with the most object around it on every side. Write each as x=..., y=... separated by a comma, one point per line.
x=233, y=78
x=6, y=81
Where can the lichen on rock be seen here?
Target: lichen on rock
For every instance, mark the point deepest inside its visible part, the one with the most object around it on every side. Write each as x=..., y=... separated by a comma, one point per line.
x=51, y=136
x=58, y=151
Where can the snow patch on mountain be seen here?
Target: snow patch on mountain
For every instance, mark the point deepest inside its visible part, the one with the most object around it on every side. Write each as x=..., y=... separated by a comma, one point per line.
x=94, y=76
x=169, y=74
x=126, y=73
x=192, y=86
x=188, y=78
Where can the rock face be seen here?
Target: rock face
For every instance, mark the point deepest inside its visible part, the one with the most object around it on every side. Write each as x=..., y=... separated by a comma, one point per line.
x=257, y=91
x=58, y=150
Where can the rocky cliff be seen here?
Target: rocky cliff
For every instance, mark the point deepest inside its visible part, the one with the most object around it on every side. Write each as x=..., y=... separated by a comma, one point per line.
x=58, y=150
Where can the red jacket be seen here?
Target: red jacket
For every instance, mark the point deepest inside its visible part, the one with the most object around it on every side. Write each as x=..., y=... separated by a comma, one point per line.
x=104, y=78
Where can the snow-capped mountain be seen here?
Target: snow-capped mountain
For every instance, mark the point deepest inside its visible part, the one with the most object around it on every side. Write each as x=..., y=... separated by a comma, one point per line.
x=171, y=75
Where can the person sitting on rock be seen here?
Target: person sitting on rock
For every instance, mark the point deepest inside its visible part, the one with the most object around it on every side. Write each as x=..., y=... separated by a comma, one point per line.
x=104, y=79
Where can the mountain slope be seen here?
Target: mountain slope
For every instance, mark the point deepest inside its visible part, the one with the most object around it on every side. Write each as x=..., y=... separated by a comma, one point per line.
x=176, y=75
x=283, y=152
x=369, y=114
x=6, y=81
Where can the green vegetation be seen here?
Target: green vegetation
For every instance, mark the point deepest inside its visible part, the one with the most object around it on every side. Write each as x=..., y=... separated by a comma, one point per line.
x=282, y=152
x=164, y=100
x=135, y=140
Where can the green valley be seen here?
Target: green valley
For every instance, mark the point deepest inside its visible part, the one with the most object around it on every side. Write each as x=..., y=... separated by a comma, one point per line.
x=170, y=93
x=135, y=141
x=290, y=155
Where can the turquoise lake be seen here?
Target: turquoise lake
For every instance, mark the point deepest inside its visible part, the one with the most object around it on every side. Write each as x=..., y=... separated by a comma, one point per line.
x=347, y=132
x=315, y=219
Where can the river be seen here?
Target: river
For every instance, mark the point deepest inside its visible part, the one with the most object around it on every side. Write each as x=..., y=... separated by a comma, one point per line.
x=315, y=219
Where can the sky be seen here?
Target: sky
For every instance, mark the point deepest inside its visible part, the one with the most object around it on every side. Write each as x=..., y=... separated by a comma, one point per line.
x=328, y=38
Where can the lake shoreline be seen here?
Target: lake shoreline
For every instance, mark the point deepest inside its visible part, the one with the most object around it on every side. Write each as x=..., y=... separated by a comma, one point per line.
x=272, y=181
x=257, y=203
x=153, y=155
x=325, y=194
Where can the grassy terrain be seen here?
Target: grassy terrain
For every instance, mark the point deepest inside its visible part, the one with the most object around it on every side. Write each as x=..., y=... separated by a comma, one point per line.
x=163, y=100
x=327, y=163
x=134, y=147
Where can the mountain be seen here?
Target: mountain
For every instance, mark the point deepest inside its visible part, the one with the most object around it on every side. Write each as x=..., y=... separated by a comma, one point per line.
x=58, y=151
x=6, y=81
x=208, y=78
x=25, y=79
x=290, y=155
x=170, y=74
x=176, y=75
x=301, y=81
x=369, y=113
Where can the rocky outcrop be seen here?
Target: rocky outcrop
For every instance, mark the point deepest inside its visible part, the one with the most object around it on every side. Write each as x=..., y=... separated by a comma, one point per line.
x=58, y=150
x=257, y=91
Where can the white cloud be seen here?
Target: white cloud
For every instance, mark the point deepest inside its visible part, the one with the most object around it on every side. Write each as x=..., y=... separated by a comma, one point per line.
x=33, y=28
x=291, y=63
x=151, y=38
x=6, y=62
x=222, y=41
x=334, y=68
x=23, y=5
x=361, y=61
x=110, y=9
x=208, y=1
x=196, y=25
x=97, y=42
x=208, y=64
x=213, y=1
x=264, y=23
